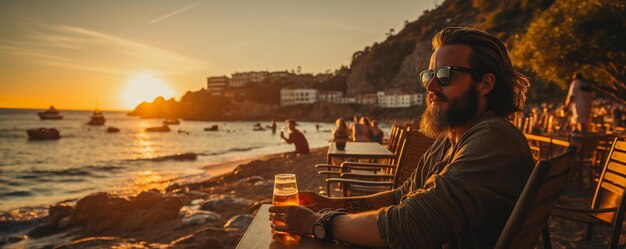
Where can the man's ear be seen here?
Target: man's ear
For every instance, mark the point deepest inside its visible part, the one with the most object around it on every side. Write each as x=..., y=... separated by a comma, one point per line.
x=486, y=84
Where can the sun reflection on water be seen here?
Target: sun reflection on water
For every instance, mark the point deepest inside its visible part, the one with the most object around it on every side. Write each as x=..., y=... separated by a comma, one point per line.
x=146, y=180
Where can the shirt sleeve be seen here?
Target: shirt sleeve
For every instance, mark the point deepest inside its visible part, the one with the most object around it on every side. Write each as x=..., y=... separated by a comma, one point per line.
x=479, y=186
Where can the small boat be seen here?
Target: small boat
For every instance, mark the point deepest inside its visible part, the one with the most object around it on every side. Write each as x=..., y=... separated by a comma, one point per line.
x=97, y=118
x=163, y=128
x=212, y=128
x=43, y=134
x=171, y=122
x=112, y=129
x=50, y=114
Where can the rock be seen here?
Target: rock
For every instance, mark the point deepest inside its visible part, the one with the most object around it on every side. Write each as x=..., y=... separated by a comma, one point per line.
x=147, y=199
x=240, y=222
x=200, y=217
x=222, y=203
x=56, y=214
x=263, y=183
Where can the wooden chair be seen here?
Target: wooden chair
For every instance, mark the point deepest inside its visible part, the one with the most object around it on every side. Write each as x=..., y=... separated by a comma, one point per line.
x=529, y=217
x=607, y=205
x=353, y=184
x=585, y=160
x=545, y=147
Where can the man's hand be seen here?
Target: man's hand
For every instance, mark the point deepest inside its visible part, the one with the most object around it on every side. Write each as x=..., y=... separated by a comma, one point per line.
x=293, y=219
x=313, y=201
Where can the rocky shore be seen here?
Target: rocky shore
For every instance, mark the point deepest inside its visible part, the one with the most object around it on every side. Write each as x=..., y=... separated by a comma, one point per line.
x=209, y=214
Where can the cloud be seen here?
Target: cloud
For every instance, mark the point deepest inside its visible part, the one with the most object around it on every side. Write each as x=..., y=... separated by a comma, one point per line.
x=84, y=49
x=158, y=19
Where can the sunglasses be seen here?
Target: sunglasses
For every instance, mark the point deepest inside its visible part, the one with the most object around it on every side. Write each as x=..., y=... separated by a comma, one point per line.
x=443, y=75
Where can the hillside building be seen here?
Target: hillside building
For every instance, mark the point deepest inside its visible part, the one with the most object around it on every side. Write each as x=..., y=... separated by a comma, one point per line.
x=297, y=96
x=215, y=85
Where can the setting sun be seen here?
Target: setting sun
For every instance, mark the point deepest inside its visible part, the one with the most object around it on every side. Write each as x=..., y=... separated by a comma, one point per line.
x=144, y=86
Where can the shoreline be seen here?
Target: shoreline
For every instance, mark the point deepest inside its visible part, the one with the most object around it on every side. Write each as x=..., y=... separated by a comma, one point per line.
x=218, y=207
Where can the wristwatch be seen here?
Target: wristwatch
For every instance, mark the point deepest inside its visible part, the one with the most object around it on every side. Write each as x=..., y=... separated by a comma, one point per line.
x=322, y=228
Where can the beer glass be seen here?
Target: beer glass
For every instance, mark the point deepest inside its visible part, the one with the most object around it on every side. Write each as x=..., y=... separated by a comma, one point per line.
x=285, y=194
x=285, y=190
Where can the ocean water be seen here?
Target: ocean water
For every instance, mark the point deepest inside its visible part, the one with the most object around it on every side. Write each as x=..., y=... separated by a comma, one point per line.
x=87, y=159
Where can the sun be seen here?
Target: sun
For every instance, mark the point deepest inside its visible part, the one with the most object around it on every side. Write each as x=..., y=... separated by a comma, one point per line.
x=144, y=86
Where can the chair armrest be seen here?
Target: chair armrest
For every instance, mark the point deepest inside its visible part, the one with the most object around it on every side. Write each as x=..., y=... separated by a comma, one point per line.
x=329, y=172
x=381, y=165
x=328, y=166
x=367, y=176
x=360, y=182
x=585, y=210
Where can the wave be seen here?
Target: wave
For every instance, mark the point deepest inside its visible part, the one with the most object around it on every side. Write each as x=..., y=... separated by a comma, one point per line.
x=65, y=172
x=16, y=193
x=236, y=149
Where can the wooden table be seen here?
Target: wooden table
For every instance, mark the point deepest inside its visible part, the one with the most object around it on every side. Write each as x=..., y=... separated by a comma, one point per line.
x=372, y=150
x=259, y=236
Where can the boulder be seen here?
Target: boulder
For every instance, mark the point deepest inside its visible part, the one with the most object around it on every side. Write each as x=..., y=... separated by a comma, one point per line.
x=200, y=217
x=222, y=203
x=240, y=222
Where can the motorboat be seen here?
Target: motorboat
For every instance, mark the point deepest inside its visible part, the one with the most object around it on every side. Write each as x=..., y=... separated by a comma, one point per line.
x=163, y=128
x=50, y=114
x=97, y=118
x=171, y=122
x=43, y=134
x=212, y=128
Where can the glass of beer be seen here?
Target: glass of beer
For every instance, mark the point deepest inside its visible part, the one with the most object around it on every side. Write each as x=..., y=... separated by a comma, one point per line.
x=285, y=190
x=285, y=194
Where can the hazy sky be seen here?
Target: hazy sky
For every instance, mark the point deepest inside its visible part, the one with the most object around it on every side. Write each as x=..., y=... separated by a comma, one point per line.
x=84, y=54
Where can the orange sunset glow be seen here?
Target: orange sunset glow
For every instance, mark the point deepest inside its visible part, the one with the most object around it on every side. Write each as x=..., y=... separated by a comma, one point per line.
x=112, y=55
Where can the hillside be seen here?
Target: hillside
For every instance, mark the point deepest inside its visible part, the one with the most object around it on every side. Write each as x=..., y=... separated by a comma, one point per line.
x=393, y=64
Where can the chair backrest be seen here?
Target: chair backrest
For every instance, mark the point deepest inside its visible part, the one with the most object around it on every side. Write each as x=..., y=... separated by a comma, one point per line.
x=610, y=189
x=416, y=145
x=530, y=215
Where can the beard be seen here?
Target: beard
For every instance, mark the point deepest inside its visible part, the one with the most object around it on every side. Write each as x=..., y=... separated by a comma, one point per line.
x=436, y=121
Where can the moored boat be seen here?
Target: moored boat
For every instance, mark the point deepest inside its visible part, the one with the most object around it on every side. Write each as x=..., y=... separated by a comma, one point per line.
x=171, y=122
x=43, y=134
x=51, y=113
x=163, y=128
x=97, y=118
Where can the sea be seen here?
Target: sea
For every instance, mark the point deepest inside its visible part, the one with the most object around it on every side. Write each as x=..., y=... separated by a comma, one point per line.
x=88, y=159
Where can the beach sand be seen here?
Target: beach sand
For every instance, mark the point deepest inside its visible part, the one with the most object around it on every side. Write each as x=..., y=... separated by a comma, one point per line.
x=212, y=213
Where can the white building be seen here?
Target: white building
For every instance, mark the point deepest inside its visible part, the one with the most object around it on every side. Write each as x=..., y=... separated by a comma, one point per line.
x=330, y=96
x=216, y=84
x=297, y=96
x=399, y=100
x=241, y=79
x=367, y=99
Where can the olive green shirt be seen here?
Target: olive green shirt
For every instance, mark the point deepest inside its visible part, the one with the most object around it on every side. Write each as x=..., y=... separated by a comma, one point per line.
x=460, y=196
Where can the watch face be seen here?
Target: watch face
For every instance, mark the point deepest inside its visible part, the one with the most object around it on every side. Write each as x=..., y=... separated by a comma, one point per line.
x=318, y=231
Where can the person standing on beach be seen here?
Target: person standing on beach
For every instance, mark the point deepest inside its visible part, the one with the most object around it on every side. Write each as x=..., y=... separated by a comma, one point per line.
x=296, y=138
x=581, y=94
x=465, y=186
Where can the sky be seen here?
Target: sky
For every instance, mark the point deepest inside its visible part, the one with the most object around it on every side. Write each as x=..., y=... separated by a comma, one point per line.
x=111, y=55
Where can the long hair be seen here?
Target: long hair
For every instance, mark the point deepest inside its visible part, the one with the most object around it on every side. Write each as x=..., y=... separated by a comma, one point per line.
x=489, y=55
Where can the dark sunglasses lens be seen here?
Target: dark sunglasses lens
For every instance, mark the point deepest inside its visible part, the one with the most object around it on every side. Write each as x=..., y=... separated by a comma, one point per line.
x=443, y=76
x=425, y=76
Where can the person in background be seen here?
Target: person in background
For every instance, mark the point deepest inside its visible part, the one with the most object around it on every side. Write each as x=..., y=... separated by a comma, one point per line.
x=361, y=130
x=581, y=94
x=376, y=133
x=341, y=133
x=466, y=185
x=296, y=138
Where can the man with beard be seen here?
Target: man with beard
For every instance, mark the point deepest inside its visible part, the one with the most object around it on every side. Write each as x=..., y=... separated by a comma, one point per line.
x=465, y=186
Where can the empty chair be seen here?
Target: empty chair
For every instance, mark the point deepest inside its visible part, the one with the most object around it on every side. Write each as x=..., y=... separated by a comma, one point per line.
x=529, y=218
x=607, y=205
